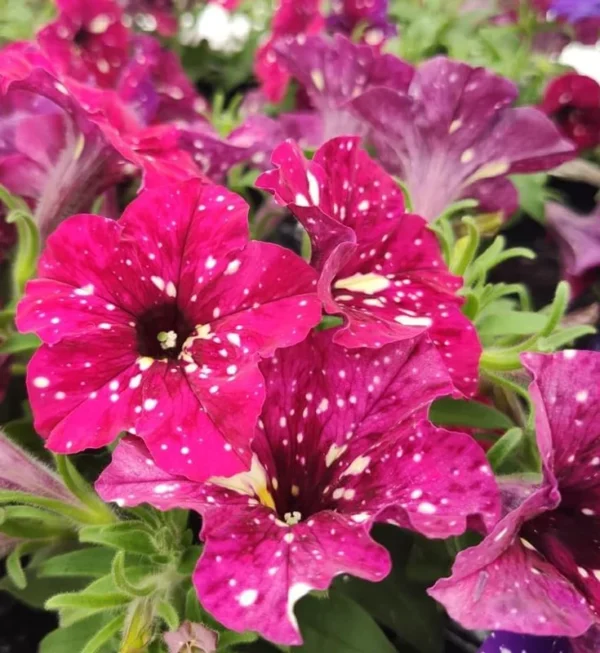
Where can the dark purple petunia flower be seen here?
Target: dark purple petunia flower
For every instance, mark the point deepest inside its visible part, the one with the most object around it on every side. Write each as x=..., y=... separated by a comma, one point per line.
x=369, y=15
x=453, y=135
x=342, y=437
x=578, y=238
x=162, y=329
x=87, y=41
x=576, y=10
x=502, y=642
x=335, y=71
x=154, y=84
x=538, y=571
x=380, y=267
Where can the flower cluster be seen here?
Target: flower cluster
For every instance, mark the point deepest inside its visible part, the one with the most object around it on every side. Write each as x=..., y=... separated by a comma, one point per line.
x=265, y=306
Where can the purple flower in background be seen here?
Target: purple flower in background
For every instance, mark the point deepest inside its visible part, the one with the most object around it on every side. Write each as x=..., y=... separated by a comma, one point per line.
x=501, y=642
x=538, y=571
x=453, y=135
x=335, y=71
x=576, y=10
x=342, y=438
x=578, y=238
x=372, y=15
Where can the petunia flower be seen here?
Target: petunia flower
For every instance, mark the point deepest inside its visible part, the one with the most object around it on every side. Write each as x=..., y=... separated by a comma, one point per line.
x=291, y=18
x=156, y=324
x=64, y=146
x=371, y=16
x=500, y=642
x=380, y=267
x=192, y=638
x=335, y=71
x=578, y=238
x=87, y=41
x=576, y=10
x=154, y=84
x=453, y=135
x=342, y=439
x=151, y=15
x=537, y=571
x=573, y=102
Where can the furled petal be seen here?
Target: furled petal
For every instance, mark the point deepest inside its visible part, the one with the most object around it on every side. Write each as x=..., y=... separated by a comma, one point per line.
x=453, y=128
x=174, y=352
x=87, y=41
x=381, y=268
x=578, y=238
x=336, y=71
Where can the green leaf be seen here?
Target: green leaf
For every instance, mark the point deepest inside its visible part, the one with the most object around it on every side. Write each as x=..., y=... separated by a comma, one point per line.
x=73, y=638
x=514, y=452
x=126, y=536
x=460, y=412
x=17, y=343
x=28, y=249
x=53, y=505
x=511, y=323
x=82, y=490
x=14, y=569
x=123, y=583
x=339, y=625
x=39, y=590
x=168, y=614
x=92, y=562
x=87, y=600
x=532, y=194
x=228, y=639
x=104, y=635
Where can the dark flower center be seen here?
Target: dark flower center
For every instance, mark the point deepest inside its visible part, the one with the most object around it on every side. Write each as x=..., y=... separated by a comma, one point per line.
x=82, y=37
x=161, y=331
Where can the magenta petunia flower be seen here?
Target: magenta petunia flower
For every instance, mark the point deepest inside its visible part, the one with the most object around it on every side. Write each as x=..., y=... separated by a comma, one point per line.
x=159, y=330
x=573, y=102
x=342, y=443
x=87, y=41
x=453, y=135
x=380, y=268
x=537, y=571
x=292, y=18
x=63, y=146
x=578, y=238
x=151, y=15
x=154, y=84
x=335, y=71
x=371, y=16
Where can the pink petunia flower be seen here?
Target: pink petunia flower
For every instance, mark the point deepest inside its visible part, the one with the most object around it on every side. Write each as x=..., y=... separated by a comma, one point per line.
x=151, y=15
x=87, y=41
x=380, y=268
x=369, y=15
x=192, y=638
x=336, y=71
x=342, y=443
x=573, y=102
x=65, y=143
x=453, y=135
x=156, y=323
x=537, y=571
x=292, y=18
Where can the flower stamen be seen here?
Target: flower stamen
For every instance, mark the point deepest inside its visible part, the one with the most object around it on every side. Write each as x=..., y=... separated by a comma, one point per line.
x=167, y=339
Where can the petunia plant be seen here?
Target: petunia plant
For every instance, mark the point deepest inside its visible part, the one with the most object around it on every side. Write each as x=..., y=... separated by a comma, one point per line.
x=277, y=369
